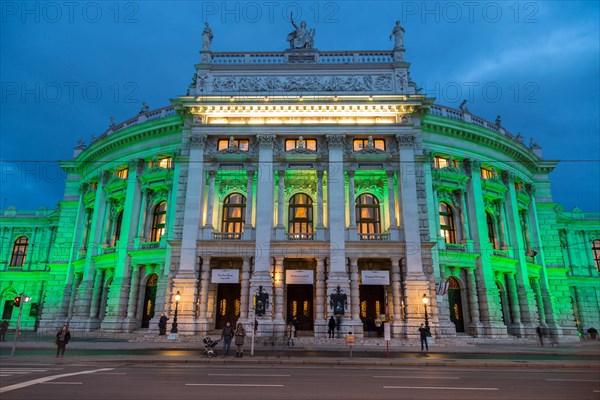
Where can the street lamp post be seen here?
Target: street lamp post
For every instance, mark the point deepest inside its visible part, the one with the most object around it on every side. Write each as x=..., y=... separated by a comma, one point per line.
x=425, y=301
x=174, y=325
x=23, y=298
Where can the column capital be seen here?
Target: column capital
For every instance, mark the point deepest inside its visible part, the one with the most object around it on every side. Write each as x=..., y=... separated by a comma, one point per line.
x=265, y=142
x=406, y=140
x=336, y=141
x=350, y=173
x=197, y=141
x=390, y=173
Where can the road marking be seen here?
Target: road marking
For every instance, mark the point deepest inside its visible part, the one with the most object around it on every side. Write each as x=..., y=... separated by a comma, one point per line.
x=437, y=388
x=112, y=373
x=573, y=380
x=230, y=384
x=247, y=375
x=416, y=377
x=49, y=378
x=62, y=383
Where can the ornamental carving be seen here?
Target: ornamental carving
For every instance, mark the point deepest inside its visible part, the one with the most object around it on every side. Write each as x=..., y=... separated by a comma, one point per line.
x=406, y=140
x=337, y=83
x=335, y=141
x=197, y=141
x=265, y=142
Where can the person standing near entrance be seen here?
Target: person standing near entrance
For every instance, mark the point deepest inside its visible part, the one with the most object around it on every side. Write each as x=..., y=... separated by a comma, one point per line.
x=240, y=335
x=62, y=339
x=162, y=324
x=378, y=326
x=331, y=325
x=296, y=325
x=291, y=331
x=423, y=333
x=226, y=337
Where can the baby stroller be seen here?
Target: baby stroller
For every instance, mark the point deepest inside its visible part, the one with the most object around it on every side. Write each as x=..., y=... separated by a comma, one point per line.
x=209, y=347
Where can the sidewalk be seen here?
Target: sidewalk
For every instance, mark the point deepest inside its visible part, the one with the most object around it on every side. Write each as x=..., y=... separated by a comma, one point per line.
x=584, y=354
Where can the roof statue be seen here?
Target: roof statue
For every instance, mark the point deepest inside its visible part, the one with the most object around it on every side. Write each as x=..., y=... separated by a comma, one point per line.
x=398, y=34
x=463, y=106
x=301, y=38
x=207, y=37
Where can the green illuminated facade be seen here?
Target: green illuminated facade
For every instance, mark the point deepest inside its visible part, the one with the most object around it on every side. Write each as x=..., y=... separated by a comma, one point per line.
x=308, y=184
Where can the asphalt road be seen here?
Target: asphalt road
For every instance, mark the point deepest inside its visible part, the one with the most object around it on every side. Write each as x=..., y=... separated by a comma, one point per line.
x=86, y=381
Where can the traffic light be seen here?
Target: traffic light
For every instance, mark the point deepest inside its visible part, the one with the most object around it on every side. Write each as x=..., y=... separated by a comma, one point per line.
x=17, y=301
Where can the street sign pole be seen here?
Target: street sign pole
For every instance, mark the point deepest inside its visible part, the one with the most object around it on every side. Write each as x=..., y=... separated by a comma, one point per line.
x=21, y=305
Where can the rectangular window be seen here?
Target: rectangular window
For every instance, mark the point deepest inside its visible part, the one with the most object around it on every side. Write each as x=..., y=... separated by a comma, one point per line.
x=292, y=144
x=486, y=173
x=162, y=162
x=122, y=173
x=440, y=162
x=360, y=144
x=518, y=186
x=240, y=144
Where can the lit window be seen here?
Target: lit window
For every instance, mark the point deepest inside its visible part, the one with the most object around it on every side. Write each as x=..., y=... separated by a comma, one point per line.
x=93, y=185
x=518, y=186
x=360, y=144
x=440, y=162
x=122, y=173
x=367, y=214
x=292, y=144
x=163, y=162
x=234, y=213
x=447, y=223
x=486, y=173
x=159, y=218
x=596, y=252
x=240, y=144
x=19, y=253
x=300, y=214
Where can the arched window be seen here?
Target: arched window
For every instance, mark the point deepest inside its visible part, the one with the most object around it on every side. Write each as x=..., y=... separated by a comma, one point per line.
x=19, y=253
x=596, y=252
x=491, y=230
x=447, y=223
x=300, y=214
x=234, y=213
x=117, y=228
x=158, y=221
x=368, y=218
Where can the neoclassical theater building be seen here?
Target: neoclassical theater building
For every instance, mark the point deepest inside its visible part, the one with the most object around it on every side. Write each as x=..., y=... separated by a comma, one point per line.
x=312, y=184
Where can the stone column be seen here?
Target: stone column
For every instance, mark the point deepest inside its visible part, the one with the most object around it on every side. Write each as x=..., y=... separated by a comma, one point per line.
x=133, y=293
x=280, y=228
x=278, y=287
x=320, y=314
x=464, y=217
x=203, y=295
x=392, y=199
x=249, y=192
x=524, y=295
x=515, y=312
x=351, y=200
x=397, y=298
x=210, y=201
x=487, y=291
x=355, y=293
x=245, y=289
x=320, y=227
x=475, y=326
x=97, y=289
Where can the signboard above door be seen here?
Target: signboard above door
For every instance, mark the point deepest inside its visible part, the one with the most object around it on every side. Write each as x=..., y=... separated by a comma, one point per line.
x=375, y=277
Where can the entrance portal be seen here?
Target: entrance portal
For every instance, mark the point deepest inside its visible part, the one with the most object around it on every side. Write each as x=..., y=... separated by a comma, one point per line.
x=372, y=304
x=300, y=304
x=455, y=304
x=228, y=304
x=149, y=300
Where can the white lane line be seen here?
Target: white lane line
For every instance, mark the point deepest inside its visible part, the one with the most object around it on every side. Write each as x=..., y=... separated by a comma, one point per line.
x=572, y=380
x=17, y=372
x=49, y=378
x=596, y=391
x=247, y=375
x=62, y=383
x=416, y=377
x=230, y=384
x=438, y=388
x=112, y=373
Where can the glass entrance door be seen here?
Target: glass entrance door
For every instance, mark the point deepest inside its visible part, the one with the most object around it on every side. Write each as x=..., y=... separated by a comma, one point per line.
x=300, y=304
x=228, y=304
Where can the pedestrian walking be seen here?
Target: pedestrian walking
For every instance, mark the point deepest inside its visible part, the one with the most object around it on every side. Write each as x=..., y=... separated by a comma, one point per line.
x=3, y=330
x=162, y=324
x=62, y=339
x=240, y=335
x=291, y=331
x=424, y=332
x=331, y=325
x=226, y=337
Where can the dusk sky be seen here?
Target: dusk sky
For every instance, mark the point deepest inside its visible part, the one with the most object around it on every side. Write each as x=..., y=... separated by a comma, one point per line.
x=66, y=68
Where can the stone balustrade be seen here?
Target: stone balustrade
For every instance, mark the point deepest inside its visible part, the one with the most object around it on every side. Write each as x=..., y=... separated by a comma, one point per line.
x=329, y=57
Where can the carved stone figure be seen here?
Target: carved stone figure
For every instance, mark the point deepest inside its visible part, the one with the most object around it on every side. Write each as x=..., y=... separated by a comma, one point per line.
x=338, y=301
x=398, y=34
x=144, y=108
x=301, y=38
x=262, y=302
x=207, y=37
x=112, y=122
x=463, y=106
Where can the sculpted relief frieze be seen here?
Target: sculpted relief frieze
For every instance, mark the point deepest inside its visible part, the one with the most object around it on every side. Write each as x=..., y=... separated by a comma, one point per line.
x=337, y=83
